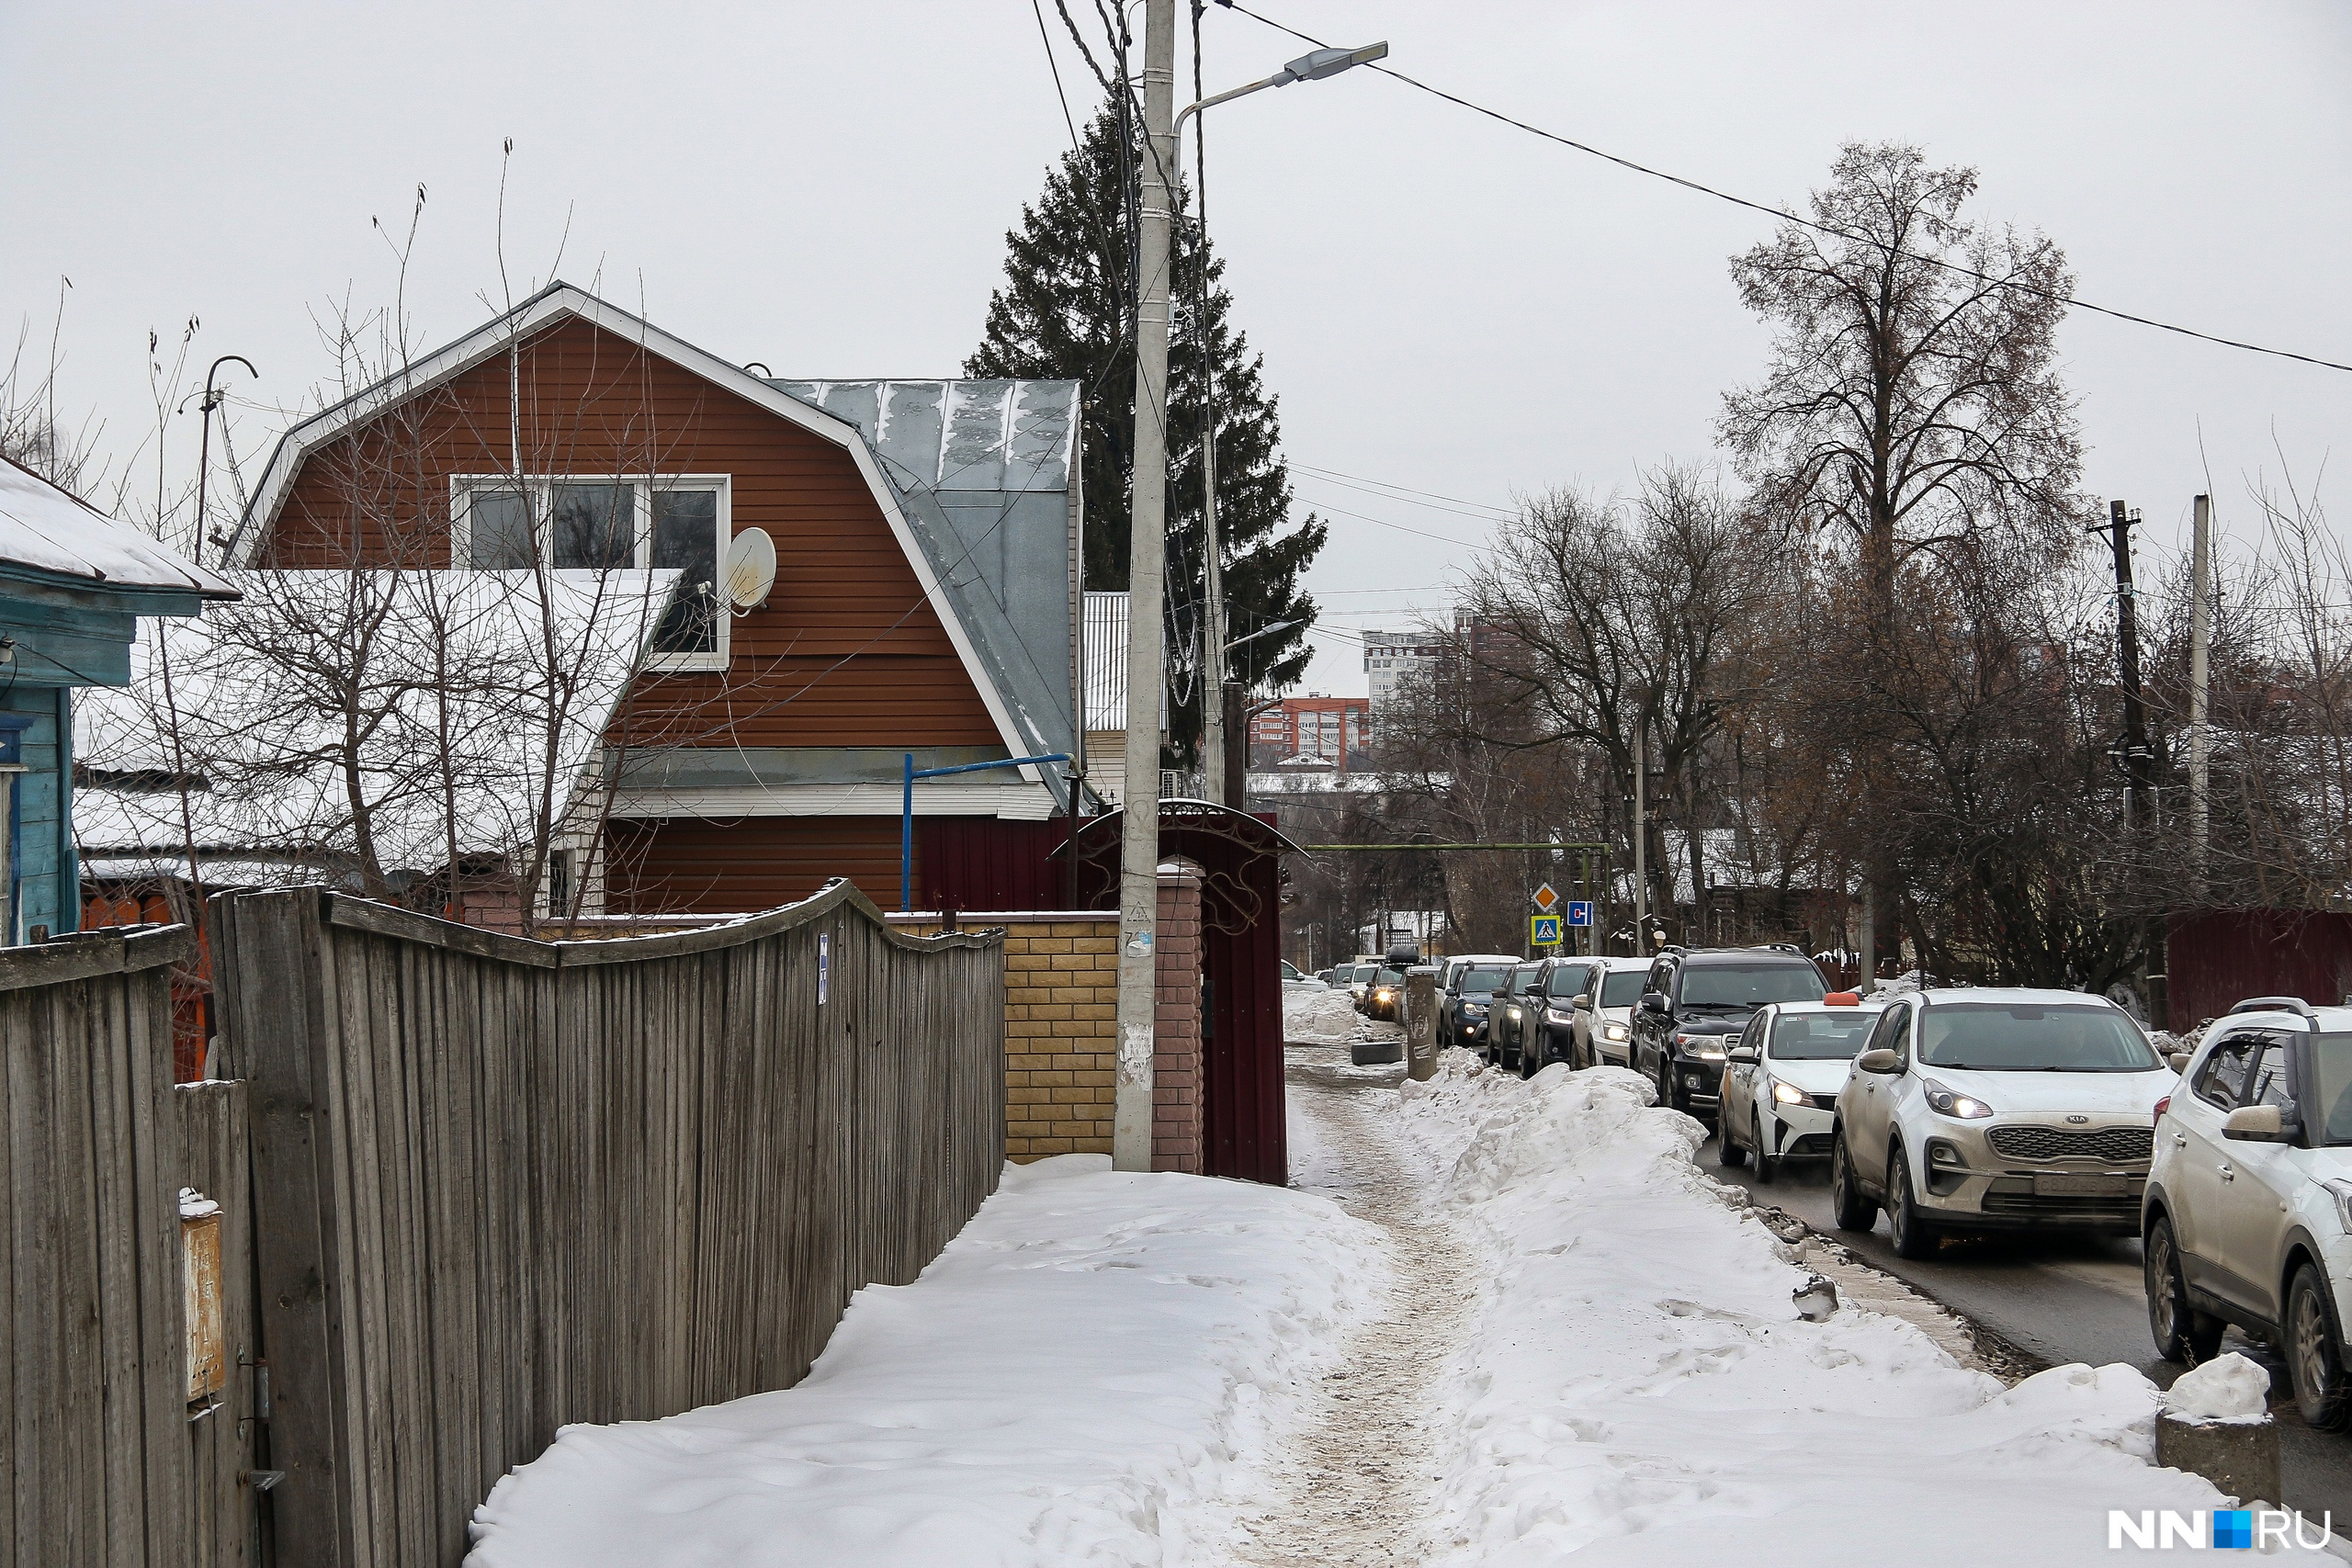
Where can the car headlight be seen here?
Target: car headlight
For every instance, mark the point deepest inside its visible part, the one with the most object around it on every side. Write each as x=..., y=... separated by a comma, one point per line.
x=1789, y=1094
x=1947, y=1102
x=2342, y=1192
x=1706, y=1047
x=1615, y=1031
x=1476, y=1009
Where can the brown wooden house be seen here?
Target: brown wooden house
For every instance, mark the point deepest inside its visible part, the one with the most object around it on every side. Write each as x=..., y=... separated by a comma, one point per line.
x=924, y=602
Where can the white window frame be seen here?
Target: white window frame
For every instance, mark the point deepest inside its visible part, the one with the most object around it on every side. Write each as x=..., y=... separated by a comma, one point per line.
x=461, y=493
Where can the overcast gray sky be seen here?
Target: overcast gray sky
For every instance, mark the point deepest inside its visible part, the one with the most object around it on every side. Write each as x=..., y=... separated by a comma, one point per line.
x=1445, y=303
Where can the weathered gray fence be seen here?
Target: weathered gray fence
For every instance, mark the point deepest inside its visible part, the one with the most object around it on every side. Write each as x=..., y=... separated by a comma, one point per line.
x=222, y=1431
x=94, y=1444
x=502, y=1185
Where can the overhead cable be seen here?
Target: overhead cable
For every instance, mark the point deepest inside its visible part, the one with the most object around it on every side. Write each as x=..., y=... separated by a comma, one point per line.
x=1813, y=224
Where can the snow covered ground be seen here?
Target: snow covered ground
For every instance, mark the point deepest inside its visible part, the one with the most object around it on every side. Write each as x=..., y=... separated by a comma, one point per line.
x=1501, y=1322
x=1092, y=1373
x=1637, y=1388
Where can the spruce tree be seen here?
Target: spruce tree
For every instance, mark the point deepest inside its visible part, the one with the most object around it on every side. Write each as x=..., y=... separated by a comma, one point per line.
x=1066, y=311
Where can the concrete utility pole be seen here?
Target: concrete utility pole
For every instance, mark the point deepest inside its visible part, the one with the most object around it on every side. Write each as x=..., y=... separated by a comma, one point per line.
x=2200, y=637
x=1147, y=572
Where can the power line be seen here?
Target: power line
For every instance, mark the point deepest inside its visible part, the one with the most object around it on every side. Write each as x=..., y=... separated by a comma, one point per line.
x=1406, y=490
x=1404, y=500
x=1423, y=533
x=1813, y=224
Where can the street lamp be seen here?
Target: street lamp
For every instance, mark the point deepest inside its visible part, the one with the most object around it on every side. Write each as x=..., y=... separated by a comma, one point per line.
x=1312, y=67
x=1138, y=1005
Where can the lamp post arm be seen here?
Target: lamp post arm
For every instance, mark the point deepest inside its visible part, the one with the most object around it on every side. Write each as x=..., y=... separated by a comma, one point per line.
x=1280, y=79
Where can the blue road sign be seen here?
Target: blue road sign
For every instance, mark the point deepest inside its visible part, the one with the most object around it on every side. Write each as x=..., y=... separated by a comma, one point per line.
x=1579, y=911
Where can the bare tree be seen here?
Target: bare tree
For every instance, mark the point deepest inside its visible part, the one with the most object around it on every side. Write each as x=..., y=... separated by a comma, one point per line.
x=1617, y=617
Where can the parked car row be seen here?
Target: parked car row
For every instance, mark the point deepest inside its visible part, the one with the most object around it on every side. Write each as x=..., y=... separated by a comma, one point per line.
x=1965, y=1110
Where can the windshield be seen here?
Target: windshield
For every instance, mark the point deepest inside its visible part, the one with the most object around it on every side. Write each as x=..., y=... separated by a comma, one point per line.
x=1622, y=988
x=2024, y=1037
x=2331, y=1092
x=1821, y=1036
x=1390, y=977
x=1565, y=980
x=1749, y=984
x=1364, y=971
x=1477, y=979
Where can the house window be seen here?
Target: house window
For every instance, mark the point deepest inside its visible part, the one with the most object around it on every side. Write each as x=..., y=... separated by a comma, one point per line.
x=677, y=522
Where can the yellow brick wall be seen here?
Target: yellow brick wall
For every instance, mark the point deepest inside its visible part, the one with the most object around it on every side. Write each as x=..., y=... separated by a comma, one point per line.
x=1061, y=1005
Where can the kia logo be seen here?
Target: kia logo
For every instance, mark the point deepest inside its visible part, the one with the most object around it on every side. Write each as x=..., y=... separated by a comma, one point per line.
x=2079, y=1120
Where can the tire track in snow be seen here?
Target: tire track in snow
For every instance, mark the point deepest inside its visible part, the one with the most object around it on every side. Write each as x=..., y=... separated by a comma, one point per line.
x=1352, y=1487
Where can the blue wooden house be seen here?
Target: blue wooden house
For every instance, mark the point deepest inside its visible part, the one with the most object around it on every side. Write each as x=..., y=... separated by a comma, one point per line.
x=72, y=584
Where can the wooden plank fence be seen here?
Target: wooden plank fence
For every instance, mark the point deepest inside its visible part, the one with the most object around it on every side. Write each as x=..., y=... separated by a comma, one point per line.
x=96, y=1443
x=504, y=1185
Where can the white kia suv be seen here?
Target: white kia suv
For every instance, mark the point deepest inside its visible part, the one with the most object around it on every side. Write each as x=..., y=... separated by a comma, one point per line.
x=2248, y=1214
x=1782, y=1076
x=1990, y=1110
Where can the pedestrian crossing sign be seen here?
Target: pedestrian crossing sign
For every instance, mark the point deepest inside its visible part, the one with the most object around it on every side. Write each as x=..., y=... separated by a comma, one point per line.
x=1544, y=931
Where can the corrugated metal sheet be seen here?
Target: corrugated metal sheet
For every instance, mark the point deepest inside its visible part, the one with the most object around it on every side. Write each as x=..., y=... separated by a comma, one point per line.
x=983, y=473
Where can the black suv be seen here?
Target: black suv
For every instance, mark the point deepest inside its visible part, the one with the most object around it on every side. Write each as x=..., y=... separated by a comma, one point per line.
x=1546, y=1028
x=1694, y=1004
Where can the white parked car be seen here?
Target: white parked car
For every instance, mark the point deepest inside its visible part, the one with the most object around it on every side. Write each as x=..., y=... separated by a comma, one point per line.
x=2248, y=1214
x=1783, y=1076
x=1293, y=980
x=1993, y=1109
x=1605, y=1023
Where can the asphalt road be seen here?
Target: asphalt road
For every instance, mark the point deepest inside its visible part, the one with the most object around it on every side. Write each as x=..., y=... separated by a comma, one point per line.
x=2059, y=1301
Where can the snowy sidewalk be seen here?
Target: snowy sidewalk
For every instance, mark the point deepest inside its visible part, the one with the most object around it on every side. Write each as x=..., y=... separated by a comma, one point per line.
x=1637, y=1388
x=1536, y=1331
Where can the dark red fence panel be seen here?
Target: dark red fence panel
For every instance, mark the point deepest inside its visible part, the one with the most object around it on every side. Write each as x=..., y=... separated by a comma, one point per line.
x=2218, y=957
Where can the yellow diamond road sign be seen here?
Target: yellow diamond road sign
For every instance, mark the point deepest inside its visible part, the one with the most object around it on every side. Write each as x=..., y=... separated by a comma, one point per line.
x=1544, y=898
x=1543, y=931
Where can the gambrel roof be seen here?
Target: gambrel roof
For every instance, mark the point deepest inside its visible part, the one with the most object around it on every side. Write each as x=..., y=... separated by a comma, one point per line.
x=974, y=478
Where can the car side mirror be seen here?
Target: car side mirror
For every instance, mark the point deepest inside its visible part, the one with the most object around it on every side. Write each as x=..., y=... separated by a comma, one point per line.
x=2256, y=1125
x=1879, y=1060
x=1581, y=1000
x=1652, y=1001
x=2178, y=1061
x=1740, y=1054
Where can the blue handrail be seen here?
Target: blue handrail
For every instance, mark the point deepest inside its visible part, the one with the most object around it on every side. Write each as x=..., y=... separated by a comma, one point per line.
x=907, y=811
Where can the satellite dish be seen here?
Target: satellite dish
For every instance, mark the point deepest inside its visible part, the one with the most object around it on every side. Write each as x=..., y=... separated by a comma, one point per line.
x=750, y=574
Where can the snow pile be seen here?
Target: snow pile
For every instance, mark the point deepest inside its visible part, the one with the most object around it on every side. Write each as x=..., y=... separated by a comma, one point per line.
x=1639, y=1388
x=1318, y=1016
x=2227, y=1388
x=1089, y=1373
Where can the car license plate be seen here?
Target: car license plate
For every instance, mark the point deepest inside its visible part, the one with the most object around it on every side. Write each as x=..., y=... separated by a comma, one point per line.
x=2051, y=1184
